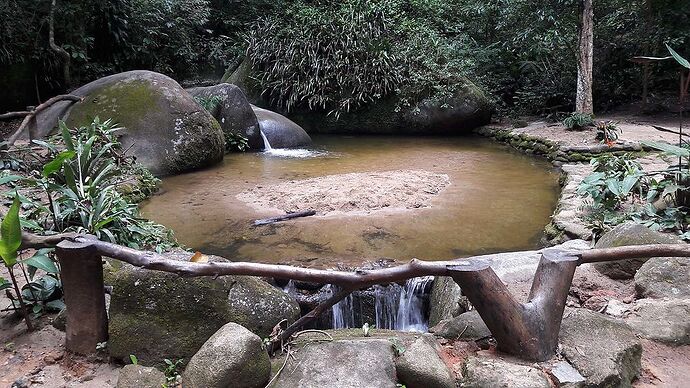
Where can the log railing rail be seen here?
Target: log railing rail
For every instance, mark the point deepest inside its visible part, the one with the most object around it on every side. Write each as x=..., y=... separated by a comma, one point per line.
x=527, y=330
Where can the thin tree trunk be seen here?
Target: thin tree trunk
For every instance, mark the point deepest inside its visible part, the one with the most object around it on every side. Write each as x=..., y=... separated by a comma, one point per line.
x=583, y=99
x=59, y=50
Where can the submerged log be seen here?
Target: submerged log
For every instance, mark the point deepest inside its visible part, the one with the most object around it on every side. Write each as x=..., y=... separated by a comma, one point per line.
x=289, y=216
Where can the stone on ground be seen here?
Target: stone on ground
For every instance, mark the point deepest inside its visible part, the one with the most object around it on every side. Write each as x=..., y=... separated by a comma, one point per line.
x=157, y=315
x=366, y=363
x=664, y=277
x=629, y=234
x=232, y=357
x=604, y=350
x=280, y=131
x=421, y=367
x=467, y=326
x=165, y=129
x=484, y=372
x=565, y=376
x=663, y=320
x=140, y=377
x=233, y=112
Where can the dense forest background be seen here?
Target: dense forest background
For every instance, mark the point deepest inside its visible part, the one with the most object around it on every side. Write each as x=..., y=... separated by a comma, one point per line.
x=339, y=55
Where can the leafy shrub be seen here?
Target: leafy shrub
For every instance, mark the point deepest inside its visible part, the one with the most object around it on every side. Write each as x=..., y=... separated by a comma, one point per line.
x=607, y=132
x=578, y=121
x=319, y=56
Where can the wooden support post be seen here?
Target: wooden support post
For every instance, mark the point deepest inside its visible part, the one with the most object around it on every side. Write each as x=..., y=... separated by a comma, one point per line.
x=527, y=330
x=81, y=270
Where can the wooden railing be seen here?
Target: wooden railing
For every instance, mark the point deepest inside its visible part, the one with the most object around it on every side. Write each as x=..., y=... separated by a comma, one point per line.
x=527, y=330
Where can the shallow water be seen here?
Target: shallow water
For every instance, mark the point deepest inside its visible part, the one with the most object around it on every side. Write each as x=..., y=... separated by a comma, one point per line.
x=498, y=200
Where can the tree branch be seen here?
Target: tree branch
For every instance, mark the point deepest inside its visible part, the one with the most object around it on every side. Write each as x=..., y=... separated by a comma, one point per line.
x=31, y=115
x=59, y=50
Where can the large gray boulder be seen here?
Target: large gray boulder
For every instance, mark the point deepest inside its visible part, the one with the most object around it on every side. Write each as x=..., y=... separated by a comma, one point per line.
x=343, y=363
x=167, y=131
x=663, y=320
x=604, y=350
x=140, y=377
x=232, y=357
x=485, y=372
x=629, y=234
x=280, y=131
x=233, y=112
x=467, y=326
x=157, y=315
x=467, y=109
x=664, y=277
x=421, y=367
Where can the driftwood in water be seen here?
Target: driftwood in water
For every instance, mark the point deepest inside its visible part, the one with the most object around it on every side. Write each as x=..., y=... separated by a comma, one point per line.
x=289, y=216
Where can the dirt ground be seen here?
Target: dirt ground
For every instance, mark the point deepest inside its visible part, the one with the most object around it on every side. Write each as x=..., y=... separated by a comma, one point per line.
x=348, y=193
x=634, y=129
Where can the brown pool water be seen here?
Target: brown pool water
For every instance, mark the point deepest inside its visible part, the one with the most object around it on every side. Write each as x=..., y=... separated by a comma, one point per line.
x=497, y=200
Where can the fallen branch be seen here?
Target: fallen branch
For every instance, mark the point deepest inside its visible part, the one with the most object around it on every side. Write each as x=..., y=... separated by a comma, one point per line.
x=32, y=115
x=289, y=216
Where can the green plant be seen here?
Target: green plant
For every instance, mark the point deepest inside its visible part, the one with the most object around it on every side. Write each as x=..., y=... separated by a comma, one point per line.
x=171, y=371
x=133, y=359
x=607, y=132
x=578, y=121
x=398, y=347
x=236, y=142
x=209, y=103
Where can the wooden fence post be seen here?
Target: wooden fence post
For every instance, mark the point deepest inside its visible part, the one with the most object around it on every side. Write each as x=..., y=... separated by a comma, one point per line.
x=81, y=270
x=527, y=330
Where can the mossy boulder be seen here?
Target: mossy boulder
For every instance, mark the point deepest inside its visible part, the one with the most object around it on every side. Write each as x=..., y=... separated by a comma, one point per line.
x=233, y=112
x=157, y=315
x=664, y=277
x=461, y=112
x=466, y=110
x=446, y=300
x=165, y=129
x=624, y=235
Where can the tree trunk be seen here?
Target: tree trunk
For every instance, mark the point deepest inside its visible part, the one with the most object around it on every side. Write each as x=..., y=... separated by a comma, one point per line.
x=61, y=52
x=583, y=100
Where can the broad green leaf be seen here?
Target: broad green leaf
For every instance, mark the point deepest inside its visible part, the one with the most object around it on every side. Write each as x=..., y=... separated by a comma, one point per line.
x=10, y=178
x=614, y=186
x=66, y=135
x=668, y=148
x=628, y=183
x=56, y=164
x=41, y=262
x=682, y=61
x=11, y=234
x=4, y=284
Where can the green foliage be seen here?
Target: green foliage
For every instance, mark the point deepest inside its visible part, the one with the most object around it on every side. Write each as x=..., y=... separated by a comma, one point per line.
x=607, y=131
x=578, y=121
x=398, y=347
x=236, y=142
x=133, y=359
x=83, y=187
x=209, y=103
x=10, y=234
x=321, y=55
x=172, y=373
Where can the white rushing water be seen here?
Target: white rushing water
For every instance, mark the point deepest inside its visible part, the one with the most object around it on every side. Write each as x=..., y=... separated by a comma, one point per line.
x=267, y=145
x=395, y=307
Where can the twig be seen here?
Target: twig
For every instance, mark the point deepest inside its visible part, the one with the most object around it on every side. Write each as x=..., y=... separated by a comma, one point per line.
x=271, y=220
x=287, y=356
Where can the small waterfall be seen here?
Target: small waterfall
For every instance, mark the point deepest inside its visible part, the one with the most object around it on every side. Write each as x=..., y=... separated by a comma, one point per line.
x=411, y=309
x=267, y=145
x=344, y=314
x=394, y=307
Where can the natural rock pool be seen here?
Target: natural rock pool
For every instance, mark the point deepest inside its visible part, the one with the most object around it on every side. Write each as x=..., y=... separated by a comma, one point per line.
x=400, y=197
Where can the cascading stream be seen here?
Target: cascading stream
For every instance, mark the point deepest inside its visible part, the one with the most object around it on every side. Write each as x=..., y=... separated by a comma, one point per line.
x=267, y=145
x=395, y=307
